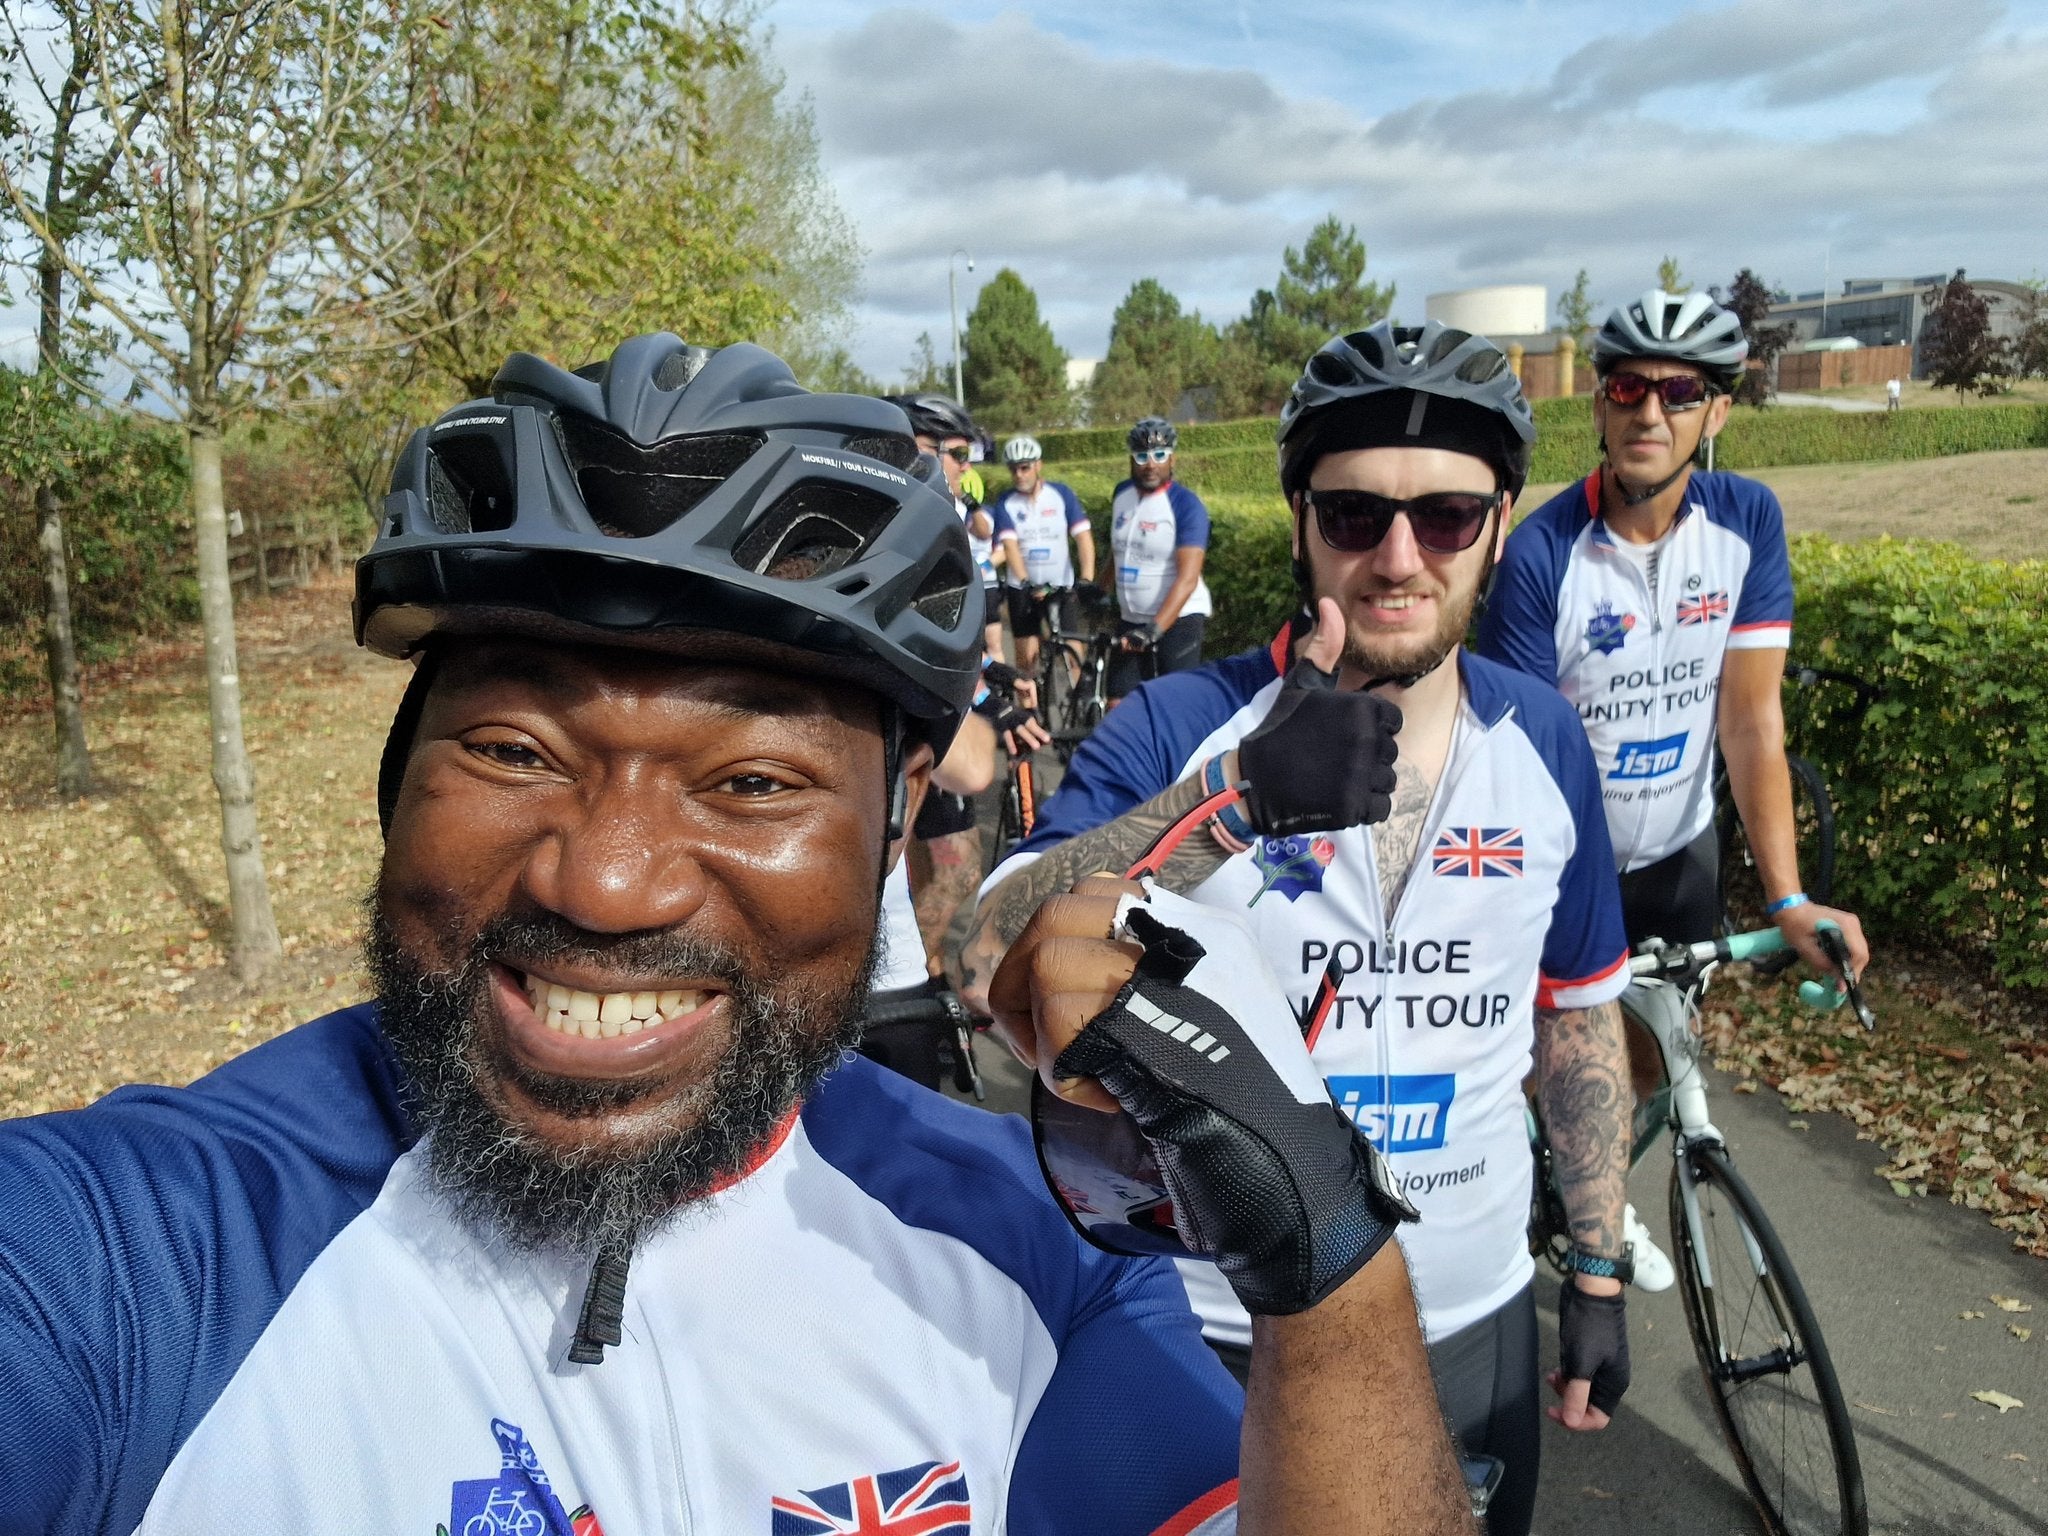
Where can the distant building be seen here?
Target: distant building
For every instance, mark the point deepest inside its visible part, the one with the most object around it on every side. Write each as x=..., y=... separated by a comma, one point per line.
x=1081, y=371
x=1499, y=311
x=1887, y=311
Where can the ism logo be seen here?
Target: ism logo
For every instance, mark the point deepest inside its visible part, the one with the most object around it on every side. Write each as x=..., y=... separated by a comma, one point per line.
x=1293, y=866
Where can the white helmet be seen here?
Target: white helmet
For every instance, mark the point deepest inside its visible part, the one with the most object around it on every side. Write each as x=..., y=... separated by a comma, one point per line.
x=1684, y=327
x=1022, y=450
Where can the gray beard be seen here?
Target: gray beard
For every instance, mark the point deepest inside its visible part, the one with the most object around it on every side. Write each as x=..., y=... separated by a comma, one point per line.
x=500, y=1178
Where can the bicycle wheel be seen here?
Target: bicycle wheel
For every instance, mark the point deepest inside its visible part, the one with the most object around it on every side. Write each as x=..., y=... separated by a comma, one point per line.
x=1760, y=1350
x=1081, y=714
x=1813, y=827
x=1009, y=819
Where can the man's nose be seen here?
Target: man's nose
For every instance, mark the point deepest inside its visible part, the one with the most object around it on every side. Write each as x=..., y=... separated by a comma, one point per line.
x=624, y=861
x=1397, y=556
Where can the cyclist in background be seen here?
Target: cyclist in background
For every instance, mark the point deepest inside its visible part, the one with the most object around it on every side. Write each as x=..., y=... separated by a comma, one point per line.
x=946, y=431
x=1046, y=516
x=1158, y=537
x=1658, y=598
x=1401, y=453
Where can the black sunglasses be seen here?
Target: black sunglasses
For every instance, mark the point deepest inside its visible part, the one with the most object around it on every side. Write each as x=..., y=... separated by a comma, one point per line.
x=1680, y=392
x=1444, y=521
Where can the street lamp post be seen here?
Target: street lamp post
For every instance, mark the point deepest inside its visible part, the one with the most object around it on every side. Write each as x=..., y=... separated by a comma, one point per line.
x=953, y=309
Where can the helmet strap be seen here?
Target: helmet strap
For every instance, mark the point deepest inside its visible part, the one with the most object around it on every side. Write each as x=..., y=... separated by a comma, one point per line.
x=892, y=773
x=405, y=725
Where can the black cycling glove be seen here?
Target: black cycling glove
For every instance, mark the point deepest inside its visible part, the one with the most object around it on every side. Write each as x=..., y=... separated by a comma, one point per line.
x=1144, y=637
x=1321, y=760
x=999, y=674
x=1592, y=1337
x=1283, y=1193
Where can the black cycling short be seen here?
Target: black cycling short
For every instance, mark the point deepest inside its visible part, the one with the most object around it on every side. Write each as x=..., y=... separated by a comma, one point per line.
x=1178, y=650
x=992, y=597
x=943, y=814
x=1486, y=1385
x=1027, y=610
x=1678, y=898
x=921, y=1051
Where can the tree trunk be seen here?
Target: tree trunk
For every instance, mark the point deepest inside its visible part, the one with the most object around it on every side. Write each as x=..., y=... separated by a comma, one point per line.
x=255, y=946
x=74, y=759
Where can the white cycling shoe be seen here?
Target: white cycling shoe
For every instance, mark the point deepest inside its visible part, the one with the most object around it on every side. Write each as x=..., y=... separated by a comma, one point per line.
x=1653, y=1268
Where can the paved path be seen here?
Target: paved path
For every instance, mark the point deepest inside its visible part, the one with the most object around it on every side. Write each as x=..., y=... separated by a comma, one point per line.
x=1887, y=1278
x=1830, y=402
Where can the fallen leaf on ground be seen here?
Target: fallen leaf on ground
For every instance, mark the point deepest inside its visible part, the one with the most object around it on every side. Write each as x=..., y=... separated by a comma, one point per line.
x=1598, y=1493
x=1890, y=1413
x=2022, y=1334
x=2010, y=1304
x=1999, y=1400
x=2014, y=1456
x=1747, y=1085
x=1964, y=1317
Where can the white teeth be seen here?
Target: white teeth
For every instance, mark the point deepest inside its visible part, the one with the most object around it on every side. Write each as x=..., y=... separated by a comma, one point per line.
x=608, y=1015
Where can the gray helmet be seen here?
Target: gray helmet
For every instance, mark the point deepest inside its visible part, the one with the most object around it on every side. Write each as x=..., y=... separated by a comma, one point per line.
x=1679, y=327
x=1153, y=432
x=1432, y=360
x=935, y=416
x=687, y=500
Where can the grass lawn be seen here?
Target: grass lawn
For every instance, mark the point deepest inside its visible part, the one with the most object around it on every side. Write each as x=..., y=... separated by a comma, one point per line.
x=1993, y=504
x=1918, y=394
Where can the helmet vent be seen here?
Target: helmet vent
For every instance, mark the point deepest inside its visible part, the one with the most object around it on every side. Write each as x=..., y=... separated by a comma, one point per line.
x=942, y=596
x=468, y=488
x=1482, y=366
x=812, y=531
x=1328, y=368
x=896, y=452
x=633, y=492
x=679, y=367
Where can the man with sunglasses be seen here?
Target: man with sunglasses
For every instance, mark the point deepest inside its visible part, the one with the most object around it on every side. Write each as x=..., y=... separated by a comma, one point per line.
x=1158, y=537
x=1658, y=599
x=1461, y=894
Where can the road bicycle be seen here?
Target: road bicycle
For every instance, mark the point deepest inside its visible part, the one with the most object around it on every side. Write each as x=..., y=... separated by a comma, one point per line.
x=1759, y=1344
x=1073, y=673
x=1813, y=820
x=1017, y=809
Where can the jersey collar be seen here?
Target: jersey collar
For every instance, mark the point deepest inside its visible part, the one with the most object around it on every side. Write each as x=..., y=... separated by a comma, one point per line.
x=1605, y=539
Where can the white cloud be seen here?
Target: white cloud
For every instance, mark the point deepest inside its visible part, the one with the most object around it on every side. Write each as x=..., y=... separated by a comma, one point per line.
x=1754, y=133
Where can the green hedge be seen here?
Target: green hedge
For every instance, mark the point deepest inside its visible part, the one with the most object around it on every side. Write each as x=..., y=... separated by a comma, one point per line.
x=1242, y=451
x=1938, y=794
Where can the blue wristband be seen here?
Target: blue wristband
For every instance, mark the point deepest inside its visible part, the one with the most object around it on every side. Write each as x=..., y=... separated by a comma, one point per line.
x=1786, y=903
x=1230, y=817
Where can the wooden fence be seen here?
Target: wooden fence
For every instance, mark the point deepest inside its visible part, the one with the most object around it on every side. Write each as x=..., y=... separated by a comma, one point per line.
x=1832, y=370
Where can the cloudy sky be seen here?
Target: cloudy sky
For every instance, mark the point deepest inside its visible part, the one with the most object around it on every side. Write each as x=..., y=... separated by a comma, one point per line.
x=1089, y=143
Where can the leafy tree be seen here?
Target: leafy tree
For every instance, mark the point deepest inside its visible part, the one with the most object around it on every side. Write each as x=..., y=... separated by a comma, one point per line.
x=1015, y=372
x=925, y=373
x=1156, y=354
x=61, y=125
x=1321, y=292
x=1669, y=278
x=1575, y=311
x=223, y=279
x=2029, y=349
x=833, y=371
x=1957, y=345
x=1750, y=297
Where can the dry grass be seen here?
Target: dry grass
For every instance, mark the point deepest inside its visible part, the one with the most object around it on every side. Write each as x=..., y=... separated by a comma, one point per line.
x=1918, y=394
x=1993, y=504
x=111, y=948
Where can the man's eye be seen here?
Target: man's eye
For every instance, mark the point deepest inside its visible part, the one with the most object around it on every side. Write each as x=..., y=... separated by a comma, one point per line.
x=754, y=784
x=509, y=754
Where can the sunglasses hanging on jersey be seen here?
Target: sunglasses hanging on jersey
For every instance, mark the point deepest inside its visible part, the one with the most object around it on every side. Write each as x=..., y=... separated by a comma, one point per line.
x=1679, y=392
x=1444, y=522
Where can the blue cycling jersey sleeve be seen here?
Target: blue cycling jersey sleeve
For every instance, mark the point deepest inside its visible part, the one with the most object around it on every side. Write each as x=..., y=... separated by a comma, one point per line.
x=1190, y=518
x=145, y=1244
x=999, y=515
x=1754, y=512
x=1518, y=627
x=1077, y=515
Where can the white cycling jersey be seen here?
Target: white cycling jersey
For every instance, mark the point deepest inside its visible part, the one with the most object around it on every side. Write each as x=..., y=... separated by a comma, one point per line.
x=1045, y=523
x=1512, y=904
x=1635, y=637
x=243, y=1307
x=1145, y=528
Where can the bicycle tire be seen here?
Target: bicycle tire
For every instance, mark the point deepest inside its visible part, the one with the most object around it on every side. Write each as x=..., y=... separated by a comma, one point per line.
x=1009, y=819
x=1082, y=714
x=1762, y=1357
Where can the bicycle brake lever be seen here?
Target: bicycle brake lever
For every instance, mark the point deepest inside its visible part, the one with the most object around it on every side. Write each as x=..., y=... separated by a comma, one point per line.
x=1828, y=996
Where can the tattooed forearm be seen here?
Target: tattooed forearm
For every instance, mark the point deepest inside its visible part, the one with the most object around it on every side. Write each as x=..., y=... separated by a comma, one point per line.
x=1582, y=1083
x=1113, y=847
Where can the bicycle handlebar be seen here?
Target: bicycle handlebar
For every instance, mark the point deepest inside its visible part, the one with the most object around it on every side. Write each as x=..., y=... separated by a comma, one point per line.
x=1656, y=958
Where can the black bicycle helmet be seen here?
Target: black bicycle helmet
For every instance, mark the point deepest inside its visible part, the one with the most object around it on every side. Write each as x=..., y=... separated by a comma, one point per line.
x=1680, y=327
x=1433, y=361
x=687, y=500
x=937, y=417
x=1153, y=432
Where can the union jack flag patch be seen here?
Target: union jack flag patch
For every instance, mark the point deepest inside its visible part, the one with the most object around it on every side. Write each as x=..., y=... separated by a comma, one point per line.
x=1477, y=852
x=1704, y=609
x=929, y=1499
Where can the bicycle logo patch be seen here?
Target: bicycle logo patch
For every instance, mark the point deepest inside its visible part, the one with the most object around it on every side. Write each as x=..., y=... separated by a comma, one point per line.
x=1649, y=759
x=1413, y=1116
x=519, y=1501
x=929, y=1499
x=1607, y=630
x=1293, y=866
